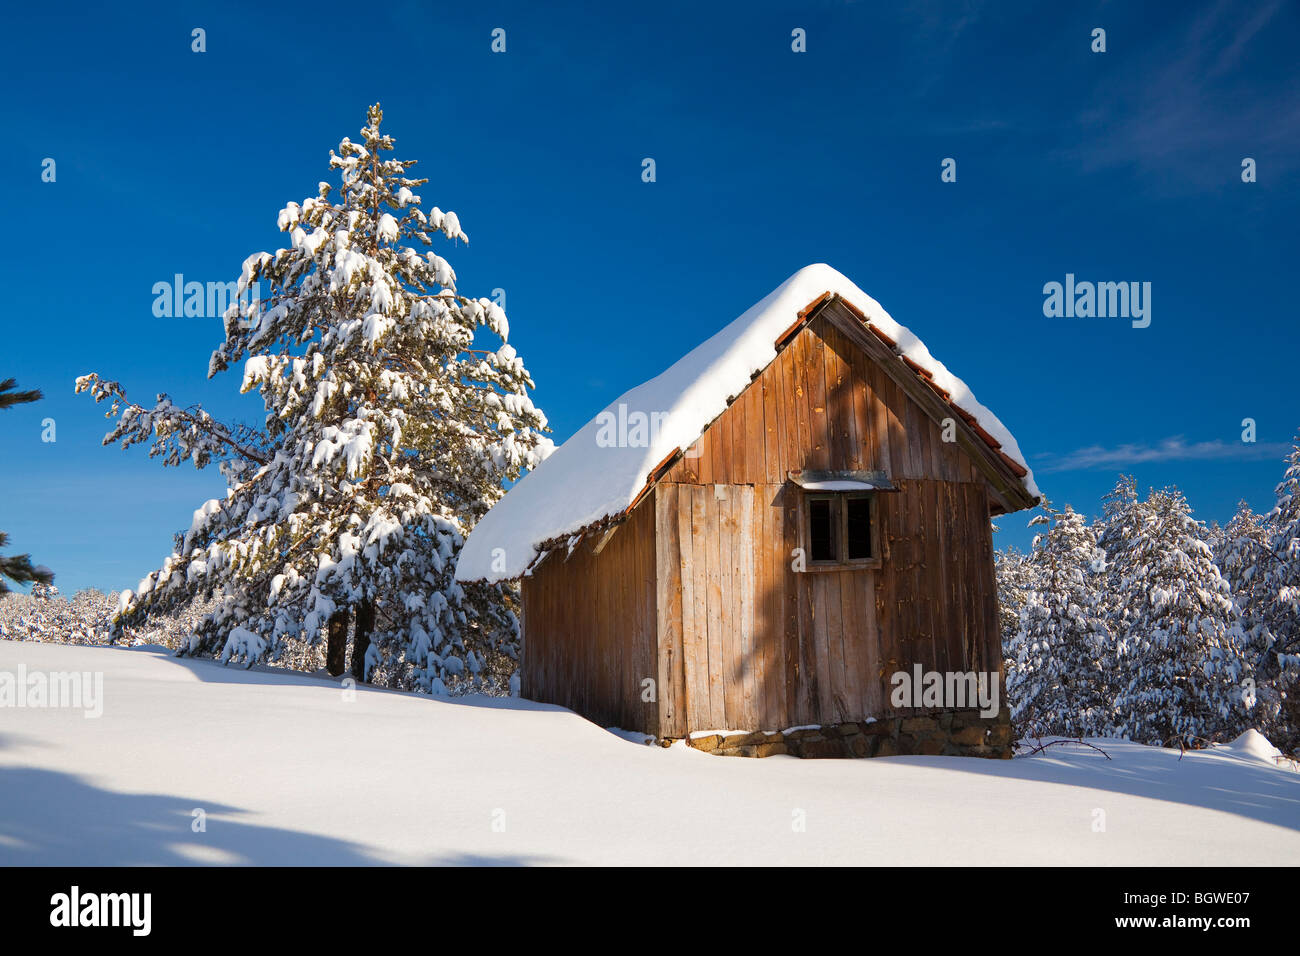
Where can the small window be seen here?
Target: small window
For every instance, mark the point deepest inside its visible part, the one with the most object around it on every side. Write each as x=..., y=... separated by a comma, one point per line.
x=857, y=527
x=823, y=515
x=840, y=528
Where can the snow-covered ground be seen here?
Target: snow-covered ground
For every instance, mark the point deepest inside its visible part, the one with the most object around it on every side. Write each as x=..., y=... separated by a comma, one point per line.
x=286, y=770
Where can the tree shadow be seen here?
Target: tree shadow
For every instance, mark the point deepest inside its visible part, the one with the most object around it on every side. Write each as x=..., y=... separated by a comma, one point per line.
x=58, y=819
x=9, y=741
x=212, y=671
x=1209, y=779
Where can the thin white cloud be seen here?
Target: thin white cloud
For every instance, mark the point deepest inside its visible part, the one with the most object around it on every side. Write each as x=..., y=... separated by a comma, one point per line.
x=1169, y=449
x=1184, y=99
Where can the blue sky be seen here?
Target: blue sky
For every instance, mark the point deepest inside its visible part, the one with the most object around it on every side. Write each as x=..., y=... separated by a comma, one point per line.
x=1115, y=166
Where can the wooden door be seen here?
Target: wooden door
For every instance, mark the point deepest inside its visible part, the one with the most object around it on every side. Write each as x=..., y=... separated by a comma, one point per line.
x=722, y=677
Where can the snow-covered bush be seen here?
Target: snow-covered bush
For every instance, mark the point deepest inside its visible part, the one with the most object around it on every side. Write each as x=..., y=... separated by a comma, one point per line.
x=45, y=616
x=86, y=618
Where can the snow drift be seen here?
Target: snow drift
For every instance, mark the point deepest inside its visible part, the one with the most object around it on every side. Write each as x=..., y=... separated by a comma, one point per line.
x=293, y=769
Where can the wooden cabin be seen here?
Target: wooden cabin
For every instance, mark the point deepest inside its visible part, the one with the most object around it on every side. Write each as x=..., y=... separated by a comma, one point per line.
x=827, y=528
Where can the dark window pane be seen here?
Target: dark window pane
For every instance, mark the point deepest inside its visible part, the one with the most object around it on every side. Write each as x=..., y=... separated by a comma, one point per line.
x=859, y=527
x=821, y=529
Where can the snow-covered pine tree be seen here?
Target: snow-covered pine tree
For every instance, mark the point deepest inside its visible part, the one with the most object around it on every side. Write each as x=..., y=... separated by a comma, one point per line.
x=1058, y=673
x=1241, y=550
x=1216, y=536
x=1180, y=666
x=1014, y=577
x=18, y=567
x=1120, y=517
x=1243, y=555
x=390, y=428
x=1281, y=604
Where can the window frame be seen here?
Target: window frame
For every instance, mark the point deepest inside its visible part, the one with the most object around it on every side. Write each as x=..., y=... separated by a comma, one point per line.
x=841, y=518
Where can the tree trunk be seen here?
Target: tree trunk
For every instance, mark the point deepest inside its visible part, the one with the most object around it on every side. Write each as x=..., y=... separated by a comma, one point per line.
x=361, y=638
x=336, y=650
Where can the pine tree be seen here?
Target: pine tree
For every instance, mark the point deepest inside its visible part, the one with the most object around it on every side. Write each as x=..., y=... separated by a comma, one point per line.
x=18, y=568
x=1013, y=574
x=9, y=398
x=1115, y=529
x=1216, y=536
x=1180, y=663
x=1242, y=552
x=1059, y=659
x=1280, y=608
x=389, y=430
x=1119, y=520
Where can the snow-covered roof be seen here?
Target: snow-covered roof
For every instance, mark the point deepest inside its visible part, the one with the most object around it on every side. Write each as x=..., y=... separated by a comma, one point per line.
x=585, y=481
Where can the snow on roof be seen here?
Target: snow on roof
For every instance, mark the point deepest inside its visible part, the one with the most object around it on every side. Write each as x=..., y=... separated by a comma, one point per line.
x=586, y=480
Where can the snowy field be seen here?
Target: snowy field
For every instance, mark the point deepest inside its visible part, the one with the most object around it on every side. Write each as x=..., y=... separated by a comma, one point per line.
x=286, y=771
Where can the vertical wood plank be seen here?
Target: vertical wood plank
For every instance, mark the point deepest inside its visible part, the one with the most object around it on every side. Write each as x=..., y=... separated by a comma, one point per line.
x=859, y=394
x=702, y=707
x=810, y=688
x=840, y=419
x=717, y=673
x=669, y=589
x=853, y=625
x=873, y=686
x=894, y=409
x=704, y=460
x=879, y=419
x=720, y=447
x=690, y=663
x=933, y=511
x=822, y=619
x=743, y=584
x=804, y=450
x=728, y=609
x=770, y=385
x=814, y=368
x=791, y=448
x=753, y=435
x=792, y=664
x=767, y=622
x=832, y=644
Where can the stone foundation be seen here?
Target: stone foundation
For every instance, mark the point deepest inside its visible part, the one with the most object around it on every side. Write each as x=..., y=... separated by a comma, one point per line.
x=957, y=733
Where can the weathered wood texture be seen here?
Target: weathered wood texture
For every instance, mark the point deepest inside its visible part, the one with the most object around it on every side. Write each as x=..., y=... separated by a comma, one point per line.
x=762, y=646
x=589, y=627
x=805, y=648
x=822, y=403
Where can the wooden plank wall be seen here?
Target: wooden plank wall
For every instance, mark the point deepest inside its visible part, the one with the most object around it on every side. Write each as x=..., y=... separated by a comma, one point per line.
x=748, y=643
x=589, y=627
x=822, y=404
